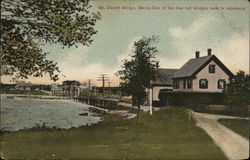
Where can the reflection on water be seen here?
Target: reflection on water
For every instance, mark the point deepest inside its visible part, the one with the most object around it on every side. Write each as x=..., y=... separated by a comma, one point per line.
x=18, y=114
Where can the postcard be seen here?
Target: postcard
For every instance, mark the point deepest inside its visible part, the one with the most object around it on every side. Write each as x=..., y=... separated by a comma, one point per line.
x=125, y=79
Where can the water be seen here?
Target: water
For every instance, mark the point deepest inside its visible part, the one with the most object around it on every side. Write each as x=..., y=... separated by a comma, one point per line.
x=19, y=114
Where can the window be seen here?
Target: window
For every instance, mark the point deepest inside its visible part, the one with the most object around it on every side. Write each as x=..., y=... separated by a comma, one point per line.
x=184, y=83
x=189, y=85
x=176, y=84
x=221, y=84
x=203, y=83
x=211, y=68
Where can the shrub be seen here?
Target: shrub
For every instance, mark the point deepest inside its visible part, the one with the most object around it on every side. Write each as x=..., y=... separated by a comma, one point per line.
x=238, y=90
x=190, y=98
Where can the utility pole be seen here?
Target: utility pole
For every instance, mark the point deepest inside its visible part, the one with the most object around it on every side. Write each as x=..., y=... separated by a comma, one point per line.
x=109, y=90
x=151, y=94
x=109, y=84
x=103, y=78
x=151, y=100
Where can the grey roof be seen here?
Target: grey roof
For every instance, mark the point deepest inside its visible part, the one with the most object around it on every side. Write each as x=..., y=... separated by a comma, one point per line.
x=191, y=66
x=164, y=76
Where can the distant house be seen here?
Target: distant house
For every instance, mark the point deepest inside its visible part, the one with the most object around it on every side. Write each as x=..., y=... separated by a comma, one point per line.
x=202, y=74
x=163, y=81
x=56, y=89
x=70, y=87
x=83, y=88
x=23, y=86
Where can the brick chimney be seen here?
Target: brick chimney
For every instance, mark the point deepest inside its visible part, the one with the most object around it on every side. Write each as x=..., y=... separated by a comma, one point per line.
x=197, y=54
x=209, y=51
x=157, y=64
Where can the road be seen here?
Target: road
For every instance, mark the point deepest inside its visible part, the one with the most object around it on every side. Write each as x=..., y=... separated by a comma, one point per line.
x=232, y=144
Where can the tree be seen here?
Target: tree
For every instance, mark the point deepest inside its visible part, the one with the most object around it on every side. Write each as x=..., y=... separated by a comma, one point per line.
x=238, y=89
x=28, y=24
x=138, y=72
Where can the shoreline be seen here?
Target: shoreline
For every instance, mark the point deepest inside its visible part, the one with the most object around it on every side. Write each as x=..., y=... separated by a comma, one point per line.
x=32, y=96
x=92, y=110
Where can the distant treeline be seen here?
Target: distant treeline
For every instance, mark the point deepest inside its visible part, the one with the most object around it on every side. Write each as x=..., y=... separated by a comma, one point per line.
x=33, y=87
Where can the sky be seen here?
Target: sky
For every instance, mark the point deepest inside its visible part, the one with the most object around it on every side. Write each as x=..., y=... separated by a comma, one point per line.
x=181, y=32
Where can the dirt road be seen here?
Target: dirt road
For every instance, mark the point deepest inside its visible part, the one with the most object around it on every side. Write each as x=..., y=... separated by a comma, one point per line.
x=232, y=144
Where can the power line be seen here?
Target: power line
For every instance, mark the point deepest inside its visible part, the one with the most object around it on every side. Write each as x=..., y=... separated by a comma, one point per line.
x=103, y=78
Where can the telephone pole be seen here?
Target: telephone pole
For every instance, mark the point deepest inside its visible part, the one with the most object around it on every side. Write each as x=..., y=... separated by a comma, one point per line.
x=109, y=89
x=109, y=84
x=103, y=78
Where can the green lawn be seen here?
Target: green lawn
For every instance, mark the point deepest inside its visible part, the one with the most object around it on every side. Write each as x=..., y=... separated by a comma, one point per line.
x=237, y=111
x=124, y=108
x=239, y=126
x=168, y=134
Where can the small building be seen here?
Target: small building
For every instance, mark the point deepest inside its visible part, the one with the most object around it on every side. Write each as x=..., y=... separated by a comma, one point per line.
x=163, y=81
x=83, y=88
x=202, y=74
x=56, y=89
x=23, y=86
x=70, y=87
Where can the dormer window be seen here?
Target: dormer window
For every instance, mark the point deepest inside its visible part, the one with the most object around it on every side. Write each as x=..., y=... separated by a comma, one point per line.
x=211, y=68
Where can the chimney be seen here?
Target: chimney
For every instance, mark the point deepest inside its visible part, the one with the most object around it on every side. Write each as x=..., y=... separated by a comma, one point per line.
x=209, y=51
x=197, y=54
x=157, y=64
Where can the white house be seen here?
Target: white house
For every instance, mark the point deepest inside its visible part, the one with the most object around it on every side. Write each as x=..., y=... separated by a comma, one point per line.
x=202, y=74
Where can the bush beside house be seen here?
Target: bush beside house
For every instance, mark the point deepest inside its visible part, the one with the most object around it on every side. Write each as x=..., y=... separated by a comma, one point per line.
x=190, y=98
x=238, y=90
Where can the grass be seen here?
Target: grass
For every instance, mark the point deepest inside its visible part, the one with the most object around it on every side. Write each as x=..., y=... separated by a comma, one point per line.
x=168, y=134
x=239, y=126
x=31, y=92
x=129, y=109
x=238, y=111
x=97, y=111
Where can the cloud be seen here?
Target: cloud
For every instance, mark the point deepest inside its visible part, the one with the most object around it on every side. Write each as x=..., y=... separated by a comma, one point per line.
x=128, y=52
x=75, y=67
x=75, y=58
x=231, y=49
x=194, y=37
x=234, y=52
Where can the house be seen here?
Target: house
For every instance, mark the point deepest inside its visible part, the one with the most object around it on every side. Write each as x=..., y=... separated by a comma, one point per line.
x=163, y=81
x=206, y=74
x=70, y=87
x=202, y=74
x=83, y=88
x=23, y=86
x=56, y=89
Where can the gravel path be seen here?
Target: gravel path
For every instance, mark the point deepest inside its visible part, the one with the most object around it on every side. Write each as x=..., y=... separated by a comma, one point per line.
x=232, y=144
